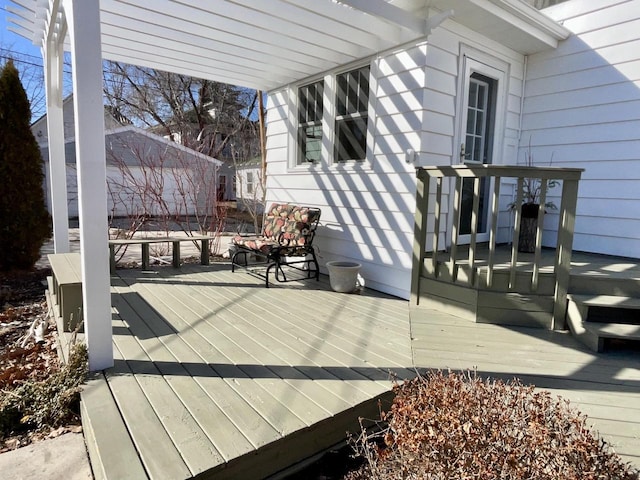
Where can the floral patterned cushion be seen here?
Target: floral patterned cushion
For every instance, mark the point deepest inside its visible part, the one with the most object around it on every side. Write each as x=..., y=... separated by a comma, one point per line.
x=255, y=243
x=284, y=225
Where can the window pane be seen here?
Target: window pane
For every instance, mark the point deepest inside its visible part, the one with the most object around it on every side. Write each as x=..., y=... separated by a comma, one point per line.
x=482, y=96
x=351, y=139
x=473, y=94
x=363, y=96
x=310, y=105
x=341, y=94
x=310, y=143
x=352, y=104
x=310, y=102
x=470, y=121
x=249, y=182
x=479, y=122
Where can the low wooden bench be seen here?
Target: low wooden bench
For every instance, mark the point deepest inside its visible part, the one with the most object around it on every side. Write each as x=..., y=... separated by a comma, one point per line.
x=146, y=242
x=288, y=232
x=66, y=288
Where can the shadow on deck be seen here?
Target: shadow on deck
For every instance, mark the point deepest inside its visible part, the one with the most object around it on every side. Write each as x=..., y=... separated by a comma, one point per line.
x=218, y=377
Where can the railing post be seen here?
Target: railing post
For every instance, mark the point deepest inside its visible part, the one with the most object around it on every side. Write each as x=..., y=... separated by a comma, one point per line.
x=516, y=233
x=419, y=234
x=475, y=210
x=566, y=229
x=436, y=227
x=535, y=275
x=493, y=235
x=455, y=229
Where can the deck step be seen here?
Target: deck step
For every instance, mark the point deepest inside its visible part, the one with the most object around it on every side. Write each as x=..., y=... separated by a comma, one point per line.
x=612, y=284
x=593, y=334
x=614, y=330
x=610, y=301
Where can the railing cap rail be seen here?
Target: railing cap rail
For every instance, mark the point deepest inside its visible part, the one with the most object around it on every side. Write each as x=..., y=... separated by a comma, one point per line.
x=514, y=171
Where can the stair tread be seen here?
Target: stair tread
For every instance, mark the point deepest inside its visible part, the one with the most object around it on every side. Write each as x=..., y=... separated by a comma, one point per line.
x=614, y=330
x=613, y=301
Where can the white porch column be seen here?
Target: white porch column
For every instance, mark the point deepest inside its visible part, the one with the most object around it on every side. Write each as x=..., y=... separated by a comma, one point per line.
x=53, y=60
x=83, y=22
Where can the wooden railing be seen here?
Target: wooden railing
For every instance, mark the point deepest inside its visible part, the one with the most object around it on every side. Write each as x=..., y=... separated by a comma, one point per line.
x=458, y=176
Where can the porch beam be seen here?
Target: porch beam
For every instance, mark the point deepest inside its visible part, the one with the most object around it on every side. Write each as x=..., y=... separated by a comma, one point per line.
x=54, y=19
x=526, y=19
x=53, y=64
x=390, y=13
x=350, y=18
x=83, y=20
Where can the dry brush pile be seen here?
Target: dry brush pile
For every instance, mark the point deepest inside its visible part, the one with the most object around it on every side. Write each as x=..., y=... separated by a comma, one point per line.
x=459, y=426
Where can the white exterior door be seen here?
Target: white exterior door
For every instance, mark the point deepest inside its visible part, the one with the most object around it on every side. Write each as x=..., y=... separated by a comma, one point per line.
x=479, y=132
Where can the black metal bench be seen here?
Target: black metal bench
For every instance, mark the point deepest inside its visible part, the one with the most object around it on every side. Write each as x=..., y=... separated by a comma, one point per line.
x=288, y=232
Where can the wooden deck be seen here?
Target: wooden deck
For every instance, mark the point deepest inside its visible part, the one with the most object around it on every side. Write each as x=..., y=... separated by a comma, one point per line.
x=219, y=377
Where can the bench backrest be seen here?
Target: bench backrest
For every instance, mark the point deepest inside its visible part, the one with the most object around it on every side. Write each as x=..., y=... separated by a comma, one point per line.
x=291, y=225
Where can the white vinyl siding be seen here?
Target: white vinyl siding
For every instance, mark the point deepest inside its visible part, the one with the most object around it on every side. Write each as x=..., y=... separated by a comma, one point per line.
x=582, y=110
x=368, y=207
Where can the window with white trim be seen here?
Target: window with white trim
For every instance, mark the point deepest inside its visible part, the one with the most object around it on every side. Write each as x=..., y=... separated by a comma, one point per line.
x=347, y=120
x=310, y=111
x=250, y=183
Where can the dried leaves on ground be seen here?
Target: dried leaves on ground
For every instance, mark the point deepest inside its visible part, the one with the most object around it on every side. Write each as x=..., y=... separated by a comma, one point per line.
x=38, y=397
x=461, y=426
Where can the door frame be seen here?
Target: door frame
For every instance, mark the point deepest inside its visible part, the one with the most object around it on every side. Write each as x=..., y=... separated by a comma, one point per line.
x=472, y=60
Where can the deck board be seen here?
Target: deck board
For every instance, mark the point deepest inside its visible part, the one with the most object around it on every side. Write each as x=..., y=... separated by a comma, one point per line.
x=229, y=368
x=218, y=377
x=253, y=353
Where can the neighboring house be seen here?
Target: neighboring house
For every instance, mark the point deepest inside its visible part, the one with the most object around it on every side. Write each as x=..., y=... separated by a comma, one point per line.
x=232, y=144
x=249, y=186
x=485, y=86
x=146, y=174
x=39, y=127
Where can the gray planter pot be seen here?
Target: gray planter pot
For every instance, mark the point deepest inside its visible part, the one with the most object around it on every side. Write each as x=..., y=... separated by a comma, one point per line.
x=343, y=276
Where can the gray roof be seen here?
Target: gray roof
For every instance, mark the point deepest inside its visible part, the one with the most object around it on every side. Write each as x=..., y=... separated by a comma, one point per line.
x=132, y=146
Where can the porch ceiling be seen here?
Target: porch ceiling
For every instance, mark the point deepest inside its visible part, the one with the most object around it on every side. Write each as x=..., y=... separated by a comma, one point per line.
x=266, y=45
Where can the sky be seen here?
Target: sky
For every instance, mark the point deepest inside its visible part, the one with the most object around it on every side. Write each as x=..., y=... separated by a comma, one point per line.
x=13, y=40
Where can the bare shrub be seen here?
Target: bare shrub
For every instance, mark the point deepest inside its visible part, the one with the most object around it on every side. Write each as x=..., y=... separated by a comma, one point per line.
x=163, y=187
x=446, y=426
x=46, y=403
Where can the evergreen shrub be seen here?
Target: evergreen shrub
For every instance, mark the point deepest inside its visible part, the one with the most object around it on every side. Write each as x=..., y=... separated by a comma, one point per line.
x=24, y=221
